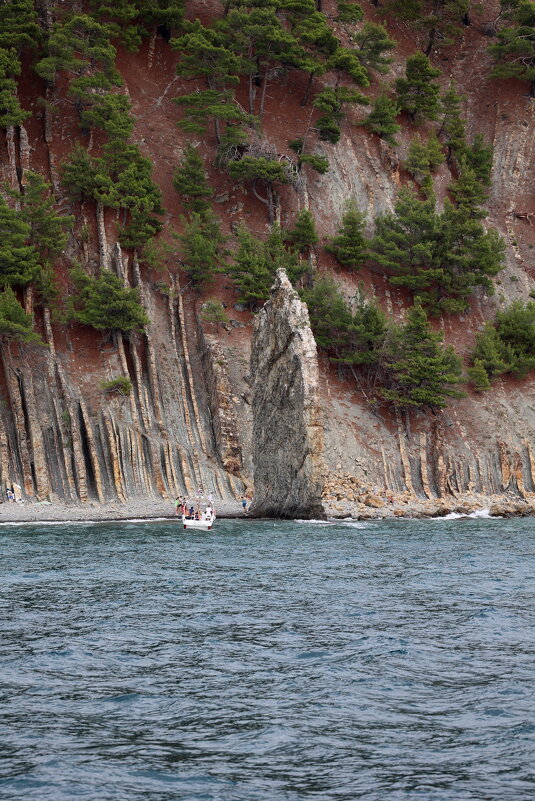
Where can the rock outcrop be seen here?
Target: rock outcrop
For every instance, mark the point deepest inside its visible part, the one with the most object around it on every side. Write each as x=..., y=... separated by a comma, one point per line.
x=287, y=445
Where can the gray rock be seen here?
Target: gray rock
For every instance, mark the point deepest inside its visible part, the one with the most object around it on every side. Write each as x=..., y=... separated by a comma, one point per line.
x=287, y=431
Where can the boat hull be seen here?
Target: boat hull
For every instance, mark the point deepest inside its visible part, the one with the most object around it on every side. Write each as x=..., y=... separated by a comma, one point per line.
x=198, y=525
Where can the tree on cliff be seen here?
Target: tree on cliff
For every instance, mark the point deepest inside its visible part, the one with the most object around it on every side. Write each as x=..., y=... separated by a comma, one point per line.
x=514, y=51
x=15, y=324
x=372, y=44
x=105, y=304
x=47, y=228
x=508, y=345
x=202, y=246
x=417, y=93
x=418, y=370
x=422, y=160
x=251, y=270
x=382, y=118
x=331, y=103
x=19, y=259
x=440, y=20
x=453, y=127
x=439, y=257
x=81, y=48
x=349, y=245
x=303, y=235
x=190, y=181
x=18, y=25
x=11, y=112
x=261, y=170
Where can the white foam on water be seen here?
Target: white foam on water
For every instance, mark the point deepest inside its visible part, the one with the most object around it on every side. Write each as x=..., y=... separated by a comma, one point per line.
x=83, y=522
x=479, y=514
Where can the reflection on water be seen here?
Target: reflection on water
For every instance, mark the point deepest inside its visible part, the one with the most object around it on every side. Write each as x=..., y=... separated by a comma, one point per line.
x=268, y=661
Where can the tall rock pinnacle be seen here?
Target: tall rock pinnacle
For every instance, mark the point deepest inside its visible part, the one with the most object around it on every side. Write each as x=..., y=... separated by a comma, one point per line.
x=287, y=431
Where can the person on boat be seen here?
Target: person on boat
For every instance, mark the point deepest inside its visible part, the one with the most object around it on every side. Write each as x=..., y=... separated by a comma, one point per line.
x=244, y=502
x=191, y=511
x=178, y=503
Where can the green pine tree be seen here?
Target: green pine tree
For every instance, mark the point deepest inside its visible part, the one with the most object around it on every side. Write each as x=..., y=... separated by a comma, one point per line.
x=252, y=269
x=382, y=118
x=453, y=127
x=330, y=316
x=105, y=304
x=19, y=259
x=479, y=376
x=15, y=324
x=191, y=183
x=261, y=170
x=213, y=311
x=514, y=50
x=202, y=246
x=419, y=371
x=373, y=43
x=349, y=11
x=349, y=246
x=418, y=93
x=47, y=232
x=303, y=235
x=479, y=158
x=11, y=112
x=330, y=101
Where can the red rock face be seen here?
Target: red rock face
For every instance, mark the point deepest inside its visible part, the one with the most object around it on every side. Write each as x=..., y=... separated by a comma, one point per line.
x=61, y=436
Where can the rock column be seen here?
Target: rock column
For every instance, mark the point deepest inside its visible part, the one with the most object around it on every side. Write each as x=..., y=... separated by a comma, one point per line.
x=287, y=443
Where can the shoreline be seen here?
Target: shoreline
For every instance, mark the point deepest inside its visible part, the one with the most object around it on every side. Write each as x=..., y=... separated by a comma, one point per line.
x=373, y=508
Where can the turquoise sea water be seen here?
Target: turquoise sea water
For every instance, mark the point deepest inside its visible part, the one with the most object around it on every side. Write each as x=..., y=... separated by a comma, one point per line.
x=268, y=660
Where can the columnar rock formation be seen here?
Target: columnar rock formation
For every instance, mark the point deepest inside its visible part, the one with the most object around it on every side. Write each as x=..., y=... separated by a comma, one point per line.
x=287, y=442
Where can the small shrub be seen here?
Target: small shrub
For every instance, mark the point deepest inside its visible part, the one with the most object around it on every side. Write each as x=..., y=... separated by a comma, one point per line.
x=122, y=385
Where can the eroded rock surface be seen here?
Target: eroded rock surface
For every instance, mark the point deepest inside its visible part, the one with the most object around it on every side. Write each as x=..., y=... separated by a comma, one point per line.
x=287, y=442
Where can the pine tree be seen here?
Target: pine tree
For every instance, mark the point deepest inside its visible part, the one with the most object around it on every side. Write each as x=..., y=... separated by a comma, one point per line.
x=304, y=234
x=258, y=36
x=191, y=183
x=212, y=311
x=109, y=113
x=252, y=269
x=490, y=352
x=420, y=371
x=349, y=11
x=439, y=257
x=47, y=231
x=15, y=324
x=202, y=246
x=423, y=159
x=280, y=257
x=330, y=316
x=11, y=112
x=468, y=192
x=105, y=304
x=331, y=102
x=516, y=329
x=417, y=93
x=260, y=170
x=204, y=53
x=479, y=158
x=373, y=43
x=479, y=376
x=18, y=25
x=382, y=119
x=79, y=174
x=81, y=48
x=514, y=50
x=453, y=127
x=349, y=246
x=19, y=260
x=440, y=20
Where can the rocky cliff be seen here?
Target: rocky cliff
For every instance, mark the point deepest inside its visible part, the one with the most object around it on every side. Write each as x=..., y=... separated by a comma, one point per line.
x=188, y=420
x=287, y=444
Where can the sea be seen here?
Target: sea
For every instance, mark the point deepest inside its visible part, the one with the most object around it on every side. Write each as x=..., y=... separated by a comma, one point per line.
x=268, y=661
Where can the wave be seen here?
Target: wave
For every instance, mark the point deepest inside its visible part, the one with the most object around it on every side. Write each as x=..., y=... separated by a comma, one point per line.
x=348, y=522
x=479, y=514
x=84, y=522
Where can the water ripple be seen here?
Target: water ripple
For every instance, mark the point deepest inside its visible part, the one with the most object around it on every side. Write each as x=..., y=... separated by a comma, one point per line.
x=268, y=661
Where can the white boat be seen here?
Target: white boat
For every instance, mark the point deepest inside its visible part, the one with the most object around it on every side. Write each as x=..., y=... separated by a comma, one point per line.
x=203, y=522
